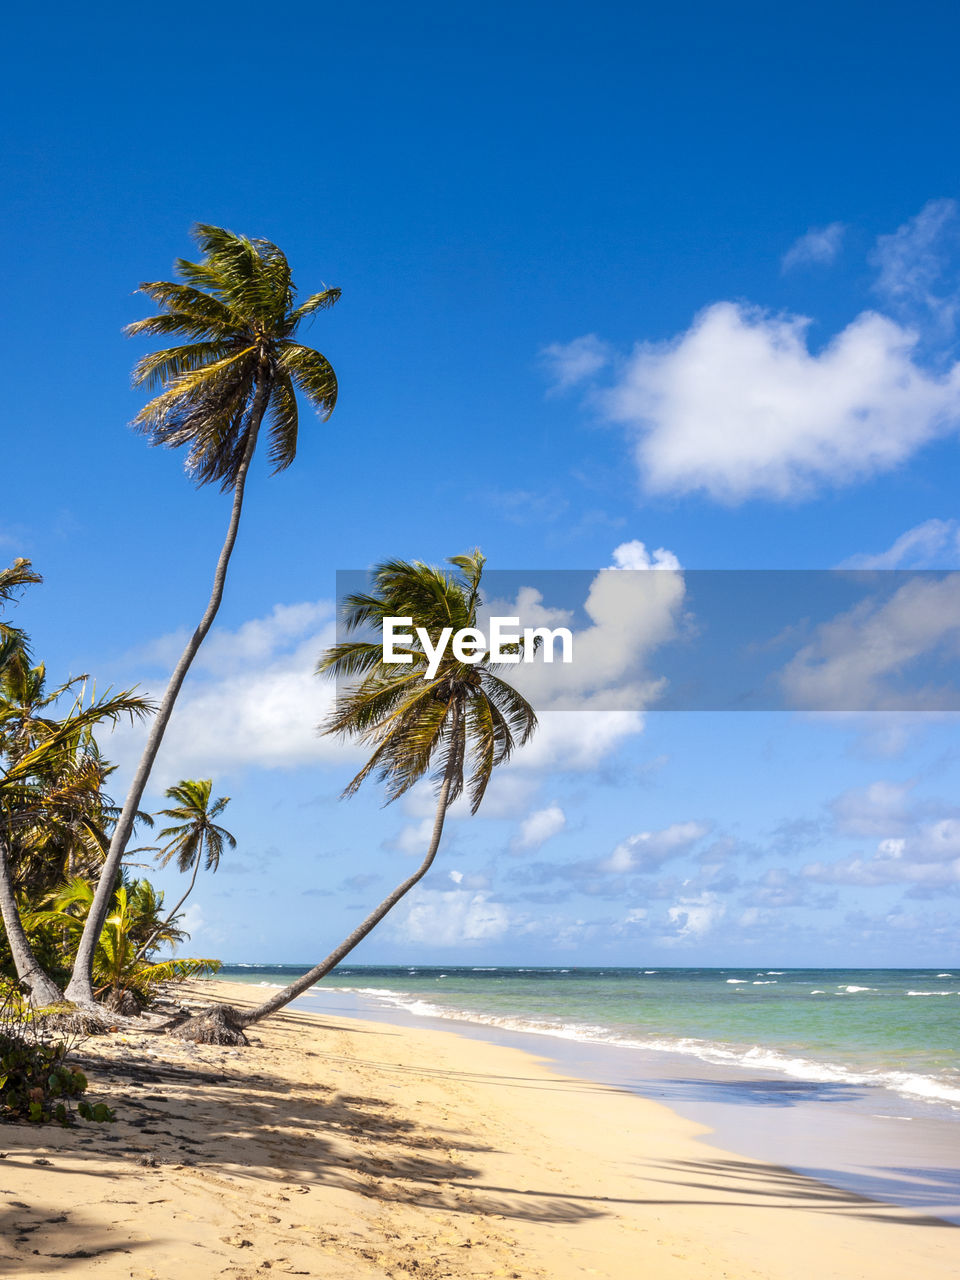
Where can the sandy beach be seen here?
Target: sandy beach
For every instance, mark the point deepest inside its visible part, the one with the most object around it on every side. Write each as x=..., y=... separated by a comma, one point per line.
x=356, y=1149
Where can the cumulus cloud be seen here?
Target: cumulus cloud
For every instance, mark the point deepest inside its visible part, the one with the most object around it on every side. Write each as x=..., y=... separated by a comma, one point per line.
x=567, y=364
x=540, y=826
x=739, y=406
x=449, y=917
x=929, y=858
x=692, y=918
x=934, y=544
x=252, y=698
x=817, y=247
x=853, y=661
x=634, y=555
x=631, y=614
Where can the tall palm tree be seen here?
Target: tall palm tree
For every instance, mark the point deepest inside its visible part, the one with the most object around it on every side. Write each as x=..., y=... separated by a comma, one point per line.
x=456, y=727
x=195, y=837
x=241, y=363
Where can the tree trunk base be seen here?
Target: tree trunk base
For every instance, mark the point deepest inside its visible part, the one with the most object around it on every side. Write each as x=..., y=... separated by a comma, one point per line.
x=124, y=1002
x=71, y=1020
x=219, y=1025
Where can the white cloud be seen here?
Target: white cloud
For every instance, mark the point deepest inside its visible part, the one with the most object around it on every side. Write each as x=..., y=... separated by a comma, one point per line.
x=252, y=698
x=852, y=659
x=576, y=741
x=879, y=809
x=913, y=261
x=449, y=917
x=631, y=614
x=570, y=363
x=694, y=917
x=739, y=407
x=413, y=839
x=929, y=858
x=539, y=827
x=934, y=544
x=634, y=555
x=818, y=247
x=648, y=850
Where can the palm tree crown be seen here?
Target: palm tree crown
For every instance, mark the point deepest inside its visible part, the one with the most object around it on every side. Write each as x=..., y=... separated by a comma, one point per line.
x=237, y=307
x=466, y=714
x=195, y=832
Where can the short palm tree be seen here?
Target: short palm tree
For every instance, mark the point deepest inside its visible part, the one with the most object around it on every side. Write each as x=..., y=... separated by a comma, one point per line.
x=455, y=728
x=195, y=838
x=241, y=364
x=121, y=974
x=50, y=793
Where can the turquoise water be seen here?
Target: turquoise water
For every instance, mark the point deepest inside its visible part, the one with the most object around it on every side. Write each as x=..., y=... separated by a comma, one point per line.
x=896, y=1029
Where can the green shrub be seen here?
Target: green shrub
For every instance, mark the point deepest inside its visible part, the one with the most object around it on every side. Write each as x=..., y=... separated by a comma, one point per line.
x=36, y=1084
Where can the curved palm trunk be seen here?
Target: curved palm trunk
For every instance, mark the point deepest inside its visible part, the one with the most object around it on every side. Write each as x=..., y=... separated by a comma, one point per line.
x=42, y=988
x=321, y=970
x=163, y=923
x=80, y=987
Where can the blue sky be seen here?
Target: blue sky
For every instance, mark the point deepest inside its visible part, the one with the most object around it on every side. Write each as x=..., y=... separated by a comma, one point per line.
x=611, y=274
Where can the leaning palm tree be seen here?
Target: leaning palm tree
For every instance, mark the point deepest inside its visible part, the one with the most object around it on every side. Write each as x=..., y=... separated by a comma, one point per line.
x=241, y=364
x=194, y=839
x=454, y=727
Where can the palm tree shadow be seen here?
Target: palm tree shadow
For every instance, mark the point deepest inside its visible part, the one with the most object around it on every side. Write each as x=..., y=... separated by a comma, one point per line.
x=42, y=1241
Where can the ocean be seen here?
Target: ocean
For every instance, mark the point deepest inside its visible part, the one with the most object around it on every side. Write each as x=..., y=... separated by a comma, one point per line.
x=895, y=1032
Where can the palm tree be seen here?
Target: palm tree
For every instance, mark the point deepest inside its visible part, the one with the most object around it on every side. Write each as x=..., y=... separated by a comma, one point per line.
x=194, y=839
x=123, y=979
x=465, y=718
x=13, y=643
x=45, y=792
x=242, y=362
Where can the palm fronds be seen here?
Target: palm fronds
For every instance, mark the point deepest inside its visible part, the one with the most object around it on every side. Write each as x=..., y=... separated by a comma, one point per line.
x=236, y=307
x=465, y=716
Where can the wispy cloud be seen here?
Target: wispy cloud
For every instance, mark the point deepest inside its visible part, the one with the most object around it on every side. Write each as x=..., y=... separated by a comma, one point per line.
x=539, y=827
x=819, y=246
x=934, y=544
x=916, y=266
x=854, y=661
x=568, y=364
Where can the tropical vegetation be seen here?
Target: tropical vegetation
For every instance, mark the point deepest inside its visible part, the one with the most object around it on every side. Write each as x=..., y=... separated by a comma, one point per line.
x=55, y=823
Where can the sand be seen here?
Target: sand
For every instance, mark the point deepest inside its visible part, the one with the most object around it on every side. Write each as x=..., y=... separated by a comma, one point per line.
x=356, y=1149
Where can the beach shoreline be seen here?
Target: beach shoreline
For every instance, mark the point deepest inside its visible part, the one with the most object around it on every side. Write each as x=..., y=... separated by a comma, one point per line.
x=862, y=1139
x=340, y=1147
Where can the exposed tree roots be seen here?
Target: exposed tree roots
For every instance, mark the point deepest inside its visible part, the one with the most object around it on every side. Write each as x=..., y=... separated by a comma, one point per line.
x=220, y=1024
